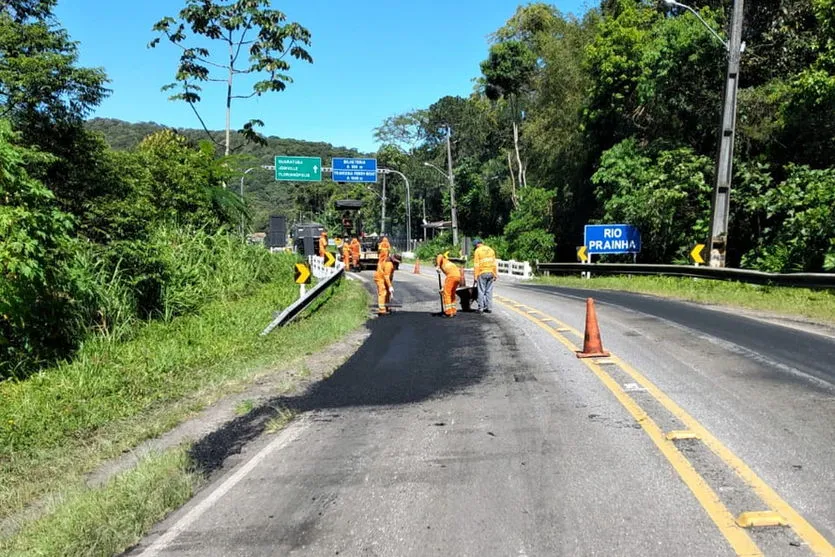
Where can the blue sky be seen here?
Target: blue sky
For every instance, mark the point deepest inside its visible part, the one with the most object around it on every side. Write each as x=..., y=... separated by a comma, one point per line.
x=372, y=59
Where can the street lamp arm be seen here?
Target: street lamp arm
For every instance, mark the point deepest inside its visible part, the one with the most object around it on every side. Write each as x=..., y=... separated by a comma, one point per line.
x=430, y=165
x=699, y=17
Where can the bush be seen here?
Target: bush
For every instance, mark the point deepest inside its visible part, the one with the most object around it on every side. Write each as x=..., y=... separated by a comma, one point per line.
x=439, y=244
x=799, y=233
x=35, y=316
x=665, y=193
x=527, y=237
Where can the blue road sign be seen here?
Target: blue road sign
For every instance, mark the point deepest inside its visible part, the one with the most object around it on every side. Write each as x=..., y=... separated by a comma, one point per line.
x=354, y=170
x=612, y=238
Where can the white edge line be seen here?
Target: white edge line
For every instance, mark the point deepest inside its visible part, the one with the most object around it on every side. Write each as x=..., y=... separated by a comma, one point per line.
x=285, y=437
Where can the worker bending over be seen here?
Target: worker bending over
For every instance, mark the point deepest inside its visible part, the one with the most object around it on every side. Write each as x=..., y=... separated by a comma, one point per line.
x=383, y=278
x=486, y=271
x=451, y=282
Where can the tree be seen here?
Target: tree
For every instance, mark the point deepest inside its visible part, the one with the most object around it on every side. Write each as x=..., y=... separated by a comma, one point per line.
x=240, y=27
x=46, y=95
x=406, y=131
x=186, y=183
x=39, y=78
x=508, y=72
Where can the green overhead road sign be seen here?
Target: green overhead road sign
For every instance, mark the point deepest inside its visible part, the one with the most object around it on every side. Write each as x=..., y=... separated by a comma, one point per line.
x=298, y=169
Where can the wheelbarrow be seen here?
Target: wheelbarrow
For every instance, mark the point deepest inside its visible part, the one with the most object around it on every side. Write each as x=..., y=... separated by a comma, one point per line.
x=468, y=295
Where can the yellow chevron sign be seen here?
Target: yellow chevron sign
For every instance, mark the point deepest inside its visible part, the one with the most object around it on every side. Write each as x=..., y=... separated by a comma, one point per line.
x=302, y=273
x=330, y=260
x=581, y=254
x=696, y=253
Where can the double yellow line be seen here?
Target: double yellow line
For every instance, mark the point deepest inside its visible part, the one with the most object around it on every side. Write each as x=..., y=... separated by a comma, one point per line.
x=780, y=513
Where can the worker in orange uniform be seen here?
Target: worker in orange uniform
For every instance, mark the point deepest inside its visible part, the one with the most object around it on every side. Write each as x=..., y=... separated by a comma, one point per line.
x=355, y=253
x=486, y=271
x=451, y=282
x=346, y=255
x=383, y=278
x=323, y=243
x=384, y=247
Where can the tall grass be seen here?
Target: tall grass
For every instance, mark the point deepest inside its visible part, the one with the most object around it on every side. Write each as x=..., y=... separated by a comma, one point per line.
x=107, y=520
x=105, y=290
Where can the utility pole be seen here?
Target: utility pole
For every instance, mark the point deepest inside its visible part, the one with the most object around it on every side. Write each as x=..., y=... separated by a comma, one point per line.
x=383, y=211
x=243, y=214
x=424, y=219
x=725, y=159
x=452, y=206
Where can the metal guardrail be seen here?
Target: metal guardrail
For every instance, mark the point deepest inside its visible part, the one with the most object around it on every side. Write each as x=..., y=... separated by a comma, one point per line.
x=799, y=280
x=327, y=276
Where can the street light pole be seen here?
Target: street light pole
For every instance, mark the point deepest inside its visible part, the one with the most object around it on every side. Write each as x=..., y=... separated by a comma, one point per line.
x=453, y=209
x=721, y=201
x=408, y=204
x=383, y=210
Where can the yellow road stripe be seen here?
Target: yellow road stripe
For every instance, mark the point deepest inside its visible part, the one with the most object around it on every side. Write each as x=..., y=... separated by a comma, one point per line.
x=716, y=510
x=816, y=542
x=814, y=539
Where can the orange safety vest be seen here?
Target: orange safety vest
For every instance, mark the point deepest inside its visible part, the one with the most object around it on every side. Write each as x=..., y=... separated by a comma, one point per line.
x=384, y=273
x=449, y=268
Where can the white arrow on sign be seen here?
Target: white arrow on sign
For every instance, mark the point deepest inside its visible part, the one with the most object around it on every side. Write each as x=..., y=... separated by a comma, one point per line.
x=315, y=168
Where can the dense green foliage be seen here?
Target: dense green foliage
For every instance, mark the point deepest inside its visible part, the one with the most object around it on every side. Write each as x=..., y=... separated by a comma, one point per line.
x=92, y=239
x=613, y=117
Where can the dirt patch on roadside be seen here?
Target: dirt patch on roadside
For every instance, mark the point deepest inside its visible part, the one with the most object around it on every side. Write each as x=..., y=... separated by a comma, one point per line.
x=219, y=431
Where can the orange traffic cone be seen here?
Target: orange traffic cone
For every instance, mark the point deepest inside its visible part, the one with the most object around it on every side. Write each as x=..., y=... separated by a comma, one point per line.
x=592, y=345
x=417, y=266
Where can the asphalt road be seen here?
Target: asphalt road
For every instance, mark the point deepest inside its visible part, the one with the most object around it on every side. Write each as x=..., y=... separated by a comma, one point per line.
x=485, y=435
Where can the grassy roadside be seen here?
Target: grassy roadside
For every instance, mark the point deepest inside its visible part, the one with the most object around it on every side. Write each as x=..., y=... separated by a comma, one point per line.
x=61, y=424
x=108, y=520
x=818, y=305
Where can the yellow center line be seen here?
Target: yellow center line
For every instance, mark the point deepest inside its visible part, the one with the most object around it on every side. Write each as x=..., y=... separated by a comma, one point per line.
x=816, y=542
x=721, y=516
x=814, y=539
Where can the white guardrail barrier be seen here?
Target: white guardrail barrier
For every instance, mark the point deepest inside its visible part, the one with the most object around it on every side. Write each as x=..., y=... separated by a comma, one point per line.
x=519, y=269
x=317, y=267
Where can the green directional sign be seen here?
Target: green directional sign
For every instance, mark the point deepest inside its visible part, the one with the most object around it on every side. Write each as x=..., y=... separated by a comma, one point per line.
x=298, y=169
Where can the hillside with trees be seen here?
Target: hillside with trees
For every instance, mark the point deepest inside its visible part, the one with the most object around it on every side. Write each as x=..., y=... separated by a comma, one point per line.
x=264, y=196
